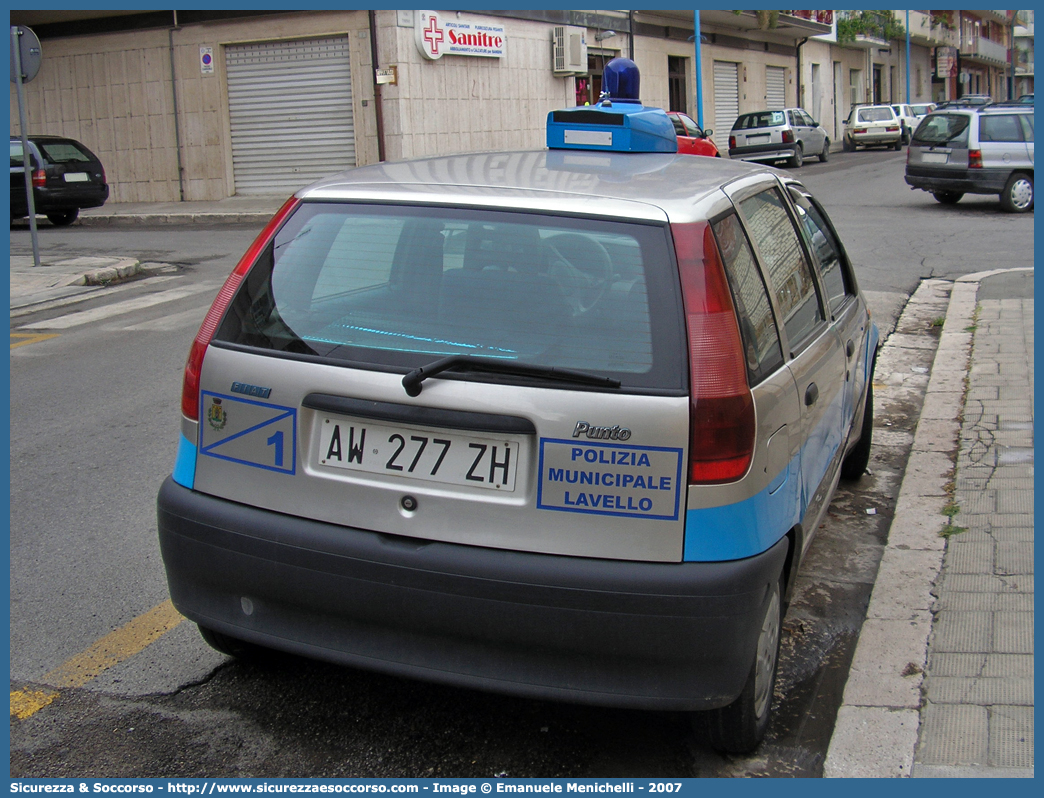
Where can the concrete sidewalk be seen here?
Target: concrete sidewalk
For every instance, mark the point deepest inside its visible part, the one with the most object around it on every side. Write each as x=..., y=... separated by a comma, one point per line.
x=941, y=684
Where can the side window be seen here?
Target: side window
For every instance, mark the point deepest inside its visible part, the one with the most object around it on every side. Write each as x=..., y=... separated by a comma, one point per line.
x=805, y=119
x=690, y=127
x=1027, y=126
x=789, y=272
x=1000, y=128
x=757, y=325
x=821, y=241
x=793, y=122
x=679, y=127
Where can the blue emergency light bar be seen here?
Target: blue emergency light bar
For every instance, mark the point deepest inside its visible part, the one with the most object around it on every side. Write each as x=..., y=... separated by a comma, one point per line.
x=619, y=123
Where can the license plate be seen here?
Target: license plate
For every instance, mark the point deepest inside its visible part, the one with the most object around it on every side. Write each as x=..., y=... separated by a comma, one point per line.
x=445, y=456
x=757, y=138
x=934, y=157
x=76, y=177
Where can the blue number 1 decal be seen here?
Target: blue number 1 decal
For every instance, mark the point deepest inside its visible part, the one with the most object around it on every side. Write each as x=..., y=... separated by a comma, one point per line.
x=277, y=441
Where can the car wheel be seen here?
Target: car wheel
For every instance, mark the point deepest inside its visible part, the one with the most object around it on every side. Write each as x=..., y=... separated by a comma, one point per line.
x=740, y=727
x=797, y=158
x=825, y=154
x=899, y=144
x=219, y=641
x=63, y=218
x=854, y=465
x=1018, y=193
x=846, y=145
x=948, y=197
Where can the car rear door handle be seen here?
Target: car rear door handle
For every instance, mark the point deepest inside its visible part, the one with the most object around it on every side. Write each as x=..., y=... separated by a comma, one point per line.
x=850, y=347
x=811, y=395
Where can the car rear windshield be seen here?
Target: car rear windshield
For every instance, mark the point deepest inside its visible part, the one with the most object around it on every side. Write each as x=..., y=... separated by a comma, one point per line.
x=759, y=119
x=937, y=129
x=64, y=152
x=394, y=287
x=875, y=115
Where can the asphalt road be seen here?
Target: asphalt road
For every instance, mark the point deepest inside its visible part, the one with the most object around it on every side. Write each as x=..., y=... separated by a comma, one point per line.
x=94, y=420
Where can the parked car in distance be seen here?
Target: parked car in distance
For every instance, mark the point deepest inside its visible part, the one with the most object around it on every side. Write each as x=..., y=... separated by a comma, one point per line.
x=66, y=177
x=921, y=110
x=907, y=120
x=985, y=150
x=872, y=126
x=556, y=423
x=967, y=101
x=789, y=134
x=1026, y=99
x=692, y=139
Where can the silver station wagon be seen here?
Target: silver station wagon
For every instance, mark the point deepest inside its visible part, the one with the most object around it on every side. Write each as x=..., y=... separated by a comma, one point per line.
x=556, y=423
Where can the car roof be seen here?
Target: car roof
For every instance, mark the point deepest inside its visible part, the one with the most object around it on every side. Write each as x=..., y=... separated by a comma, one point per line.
x=652, y=186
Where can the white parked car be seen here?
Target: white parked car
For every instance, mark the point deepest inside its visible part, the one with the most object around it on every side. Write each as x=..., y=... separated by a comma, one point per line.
x=908, y=121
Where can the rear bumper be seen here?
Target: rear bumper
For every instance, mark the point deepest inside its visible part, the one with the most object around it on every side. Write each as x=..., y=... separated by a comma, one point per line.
x=675, y=636
x=47, y=200
x=763, y=152
x=964, y=181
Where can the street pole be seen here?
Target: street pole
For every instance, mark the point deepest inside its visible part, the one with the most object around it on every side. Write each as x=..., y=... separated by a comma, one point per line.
x=907, y=57
x=699, y=81
x=16, y=51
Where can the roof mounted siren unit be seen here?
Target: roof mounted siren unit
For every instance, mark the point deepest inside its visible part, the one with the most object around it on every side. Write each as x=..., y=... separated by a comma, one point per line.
x=618, y=123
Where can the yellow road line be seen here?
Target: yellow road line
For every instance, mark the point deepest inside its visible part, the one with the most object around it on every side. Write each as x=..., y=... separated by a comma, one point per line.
x=30, y=338
x=110, y=650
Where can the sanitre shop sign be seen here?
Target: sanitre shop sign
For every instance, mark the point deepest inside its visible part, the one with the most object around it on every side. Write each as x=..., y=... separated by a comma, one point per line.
x=438, y=36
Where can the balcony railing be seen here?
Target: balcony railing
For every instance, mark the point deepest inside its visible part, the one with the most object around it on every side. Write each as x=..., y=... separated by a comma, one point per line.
x=824, y=17
x=977, y=46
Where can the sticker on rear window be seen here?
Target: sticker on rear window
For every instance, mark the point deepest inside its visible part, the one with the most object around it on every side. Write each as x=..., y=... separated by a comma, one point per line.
x=610, y=479
x=252, y=433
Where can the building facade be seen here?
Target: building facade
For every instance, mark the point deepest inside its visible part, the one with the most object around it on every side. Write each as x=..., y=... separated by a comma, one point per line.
x=197, y=105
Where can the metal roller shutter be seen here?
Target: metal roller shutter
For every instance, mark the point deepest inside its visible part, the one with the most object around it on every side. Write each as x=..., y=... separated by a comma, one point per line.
x=775, y=88
x=726, y=101
x=290, y=106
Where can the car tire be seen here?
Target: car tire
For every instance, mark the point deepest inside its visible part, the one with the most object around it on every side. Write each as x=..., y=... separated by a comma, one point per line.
x=63, y=218
x=858, y=458
x=798, y=158
x=846, y=145
x=898, y=145
x=948, y=197
x=825, y=154
x=1017, y=196
x=233, y=647
x=740, y=727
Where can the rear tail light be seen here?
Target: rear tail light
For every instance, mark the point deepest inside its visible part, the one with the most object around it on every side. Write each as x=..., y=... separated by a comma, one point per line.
x=732, y=142
x=788, y=136
x=721, y=408
x=194, y=365
x=975, y=159
x=860, y=130
x=39, y=178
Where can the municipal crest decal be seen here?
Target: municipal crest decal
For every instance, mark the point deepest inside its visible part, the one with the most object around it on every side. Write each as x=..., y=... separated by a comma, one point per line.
x=216, y=415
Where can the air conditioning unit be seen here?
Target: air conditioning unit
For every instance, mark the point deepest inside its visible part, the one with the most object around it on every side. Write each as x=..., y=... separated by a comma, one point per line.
x=569, y=50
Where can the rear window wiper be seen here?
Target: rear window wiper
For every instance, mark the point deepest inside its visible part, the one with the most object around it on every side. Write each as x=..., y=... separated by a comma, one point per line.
x=412, y=381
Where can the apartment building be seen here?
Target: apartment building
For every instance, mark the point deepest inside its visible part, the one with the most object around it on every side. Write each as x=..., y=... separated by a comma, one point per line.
x=202, y=105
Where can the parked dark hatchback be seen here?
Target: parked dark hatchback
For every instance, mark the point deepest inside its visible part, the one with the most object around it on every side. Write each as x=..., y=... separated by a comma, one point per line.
x=66, y=177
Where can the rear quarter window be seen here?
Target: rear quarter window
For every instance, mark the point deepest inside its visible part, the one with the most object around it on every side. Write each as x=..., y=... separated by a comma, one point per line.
x=750, y=296
x=1000, y=127
x=396, y=287
x=789, y=272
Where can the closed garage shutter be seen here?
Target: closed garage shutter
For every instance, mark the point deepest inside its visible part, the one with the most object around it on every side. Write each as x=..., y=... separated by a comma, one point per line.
x=290, y=106
x=726, y=101
x=775, y=88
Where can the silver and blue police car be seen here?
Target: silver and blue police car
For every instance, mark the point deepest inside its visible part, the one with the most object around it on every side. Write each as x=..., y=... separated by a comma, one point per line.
x=558, y=423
